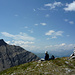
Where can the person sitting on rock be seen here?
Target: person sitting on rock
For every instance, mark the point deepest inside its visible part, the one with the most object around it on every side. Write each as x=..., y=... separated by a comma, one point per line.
x=73, y=54
x=46, y=55
x=52, y=57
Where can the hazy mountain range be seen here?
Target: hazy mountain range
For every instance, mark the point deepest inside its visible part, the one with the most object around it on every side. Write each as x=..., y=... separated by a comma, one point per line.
x=61, y=53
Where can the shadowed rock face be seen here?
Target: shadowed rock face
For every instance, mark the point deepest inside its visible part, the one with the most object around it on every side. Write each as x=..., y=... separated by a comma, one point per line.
x=11, y=55
x=2, y=42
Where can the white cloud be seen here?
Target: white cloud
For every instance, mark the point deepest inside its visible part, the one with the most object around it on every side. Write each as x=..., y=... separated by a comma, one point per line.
x=25, y=27
x=65, y=20
x=20, y=36
x=59, y=33
x=67, y=35
x=62, y=46
x=70, y=7
x=54, y=5
x=43, y=24
x=71, y=22
x=50, y=32
x=41, y=8
x=31, y=31
x=16, y=15
x=28, y=45
x=47, y=15
x=36, y=24
x=21, y=39
x=8, y=42
x=54, y=37
x=20, y=42
x=7, y=34
x=34, y=9
x=54, y=34
x=48, y=46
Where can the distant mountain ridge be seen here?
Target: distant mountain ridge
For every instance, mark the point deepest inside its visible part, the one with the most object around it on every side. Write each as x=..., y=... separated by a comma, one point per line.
x=11, y=55
x=61, y=53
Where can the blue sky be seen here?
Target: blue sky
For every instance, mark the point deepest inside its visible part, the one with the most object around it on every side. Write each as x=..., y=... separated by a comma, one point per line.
x=38, y=25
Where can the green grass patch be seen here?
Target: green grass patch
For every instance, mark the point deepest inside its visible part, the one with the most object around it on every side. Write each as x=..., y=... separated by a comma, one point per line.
x=56, y=67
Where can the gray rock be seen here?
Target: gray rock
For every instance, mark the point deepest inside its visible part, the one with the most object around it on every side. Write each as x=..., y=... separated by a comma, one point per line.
x=11, y=55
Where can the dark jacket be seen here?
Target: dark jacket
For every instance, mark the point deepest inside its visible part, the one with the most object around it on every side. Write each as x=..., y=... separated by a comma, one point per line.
x=46, y=56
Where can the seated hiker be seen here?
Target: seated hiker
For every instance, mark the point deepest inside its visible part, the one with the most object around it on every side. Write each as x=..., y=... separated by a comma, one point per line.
x=46, y=55
x=73, y=54
x=52, y=57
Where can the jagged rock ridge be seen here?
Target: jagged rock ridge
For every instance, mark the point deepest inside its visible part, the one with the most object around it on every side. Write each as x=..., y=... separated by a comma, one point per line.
x=2, y=42
x=11, y=55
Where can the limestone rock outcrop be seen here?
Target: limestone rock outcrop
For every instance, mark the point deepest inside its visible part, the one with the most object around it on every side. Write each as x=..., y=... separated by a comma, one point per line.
x=11, y=55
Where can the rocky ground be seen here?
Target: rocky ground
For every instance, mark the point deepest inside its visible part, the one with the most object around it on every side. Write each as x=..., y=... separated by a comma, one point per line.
x=59, y=66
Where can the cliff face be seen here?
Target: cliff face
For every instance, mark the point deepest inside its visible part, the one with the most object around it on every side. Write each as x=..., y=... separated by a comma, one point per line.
x=11, y=55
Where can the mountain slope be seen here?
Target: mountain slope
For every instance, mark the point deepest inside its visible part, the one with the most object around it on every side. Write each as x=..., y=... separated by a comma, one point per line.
x=11, y=55
x=59, y=66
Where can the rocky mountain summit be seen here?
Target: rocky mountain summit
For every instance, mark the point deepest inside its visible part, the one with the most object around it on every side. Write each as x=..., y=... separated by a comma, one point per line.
x=11, y=55
x=2, y=42
x=59, y=66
